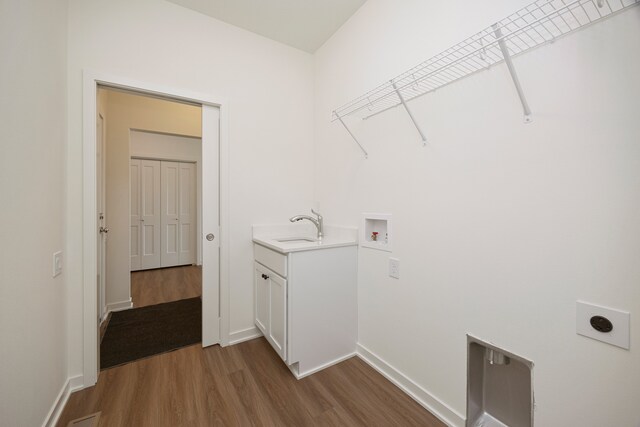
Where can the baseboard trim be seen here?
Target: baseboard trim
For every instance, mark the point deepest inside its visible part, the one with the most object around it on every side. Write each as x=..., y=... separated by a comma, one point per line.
x=321, y=367
x=244, y=335
x=416, y=392
x=72, y=384
x=119, y=306
x=76, y=383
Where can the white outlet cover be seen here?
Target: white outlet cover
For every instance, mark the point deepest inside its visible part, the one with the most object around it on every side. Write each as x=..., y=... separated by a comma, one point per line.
x=57, y=263
x=619, y=335
x=394, y=268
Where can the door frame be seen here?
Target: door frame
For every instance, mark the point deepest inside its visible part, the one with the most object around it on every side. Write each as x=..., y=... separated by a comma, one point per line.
x=91, y=80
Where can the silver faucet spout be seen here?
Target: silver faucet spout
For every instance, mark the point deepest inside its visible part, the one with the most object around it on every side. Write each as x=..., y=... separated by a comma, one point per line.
x=316, y=221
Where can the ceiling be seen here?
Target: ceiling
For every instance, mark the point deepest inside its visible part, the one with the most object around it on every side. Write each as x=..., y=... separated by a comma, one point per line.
x=303, y=24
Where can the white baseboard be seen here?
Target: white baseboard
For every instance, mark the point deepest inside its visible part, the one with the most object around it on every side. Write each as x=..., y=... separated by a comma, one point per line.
x=72, y=384
x=119, y=306
x=300, y=376
x=416, y=392
x=244, y=335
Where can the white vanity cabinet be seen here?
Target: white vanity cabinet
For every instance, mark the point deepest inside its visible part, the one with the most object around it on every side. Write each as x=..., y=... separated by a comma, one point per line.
x=305, y=303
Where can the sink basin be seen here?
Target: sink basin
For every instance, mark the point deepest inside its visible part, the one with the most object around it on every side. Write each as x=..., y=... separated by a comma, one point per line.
x=295, y=240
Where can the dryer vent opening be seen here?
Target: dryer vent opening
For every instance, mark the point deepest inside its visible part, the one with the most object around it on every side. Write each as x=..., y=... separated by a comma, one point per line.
x=499, y=387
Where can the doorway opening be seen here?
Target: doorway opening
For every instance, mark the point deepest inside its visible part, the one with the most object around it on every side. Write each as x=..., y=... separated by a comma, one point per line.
x=211, y=252
x=154, y=154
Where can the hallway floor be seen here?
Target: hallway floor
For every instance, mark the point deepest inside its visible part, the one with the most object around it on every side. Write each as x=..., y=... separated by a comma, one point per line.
x=150, y=287
x=242, y=385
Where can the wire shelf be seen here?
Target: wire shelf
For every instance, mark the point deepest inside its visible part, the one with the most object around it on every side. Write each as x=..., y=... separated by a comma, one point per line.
x=538, y=23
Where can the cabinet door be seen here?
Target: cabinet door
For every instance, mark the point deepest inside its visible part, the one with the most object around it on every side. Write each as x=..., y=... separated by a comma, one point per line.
x=170, y=184
x=150, y=213
x=135, y=220
x=261, y=297
x=187, y=214
x=278, y=314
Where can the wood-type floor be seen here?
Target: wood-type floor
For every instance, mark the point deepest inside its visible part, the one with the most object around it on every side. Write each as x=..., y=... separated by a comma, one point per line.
x=242, y=385
x=150, y=287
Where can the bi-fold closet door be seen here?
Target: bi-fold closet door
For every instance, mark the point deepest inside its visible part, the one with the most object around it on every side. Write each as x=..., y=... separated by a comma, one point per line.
x=163, y=214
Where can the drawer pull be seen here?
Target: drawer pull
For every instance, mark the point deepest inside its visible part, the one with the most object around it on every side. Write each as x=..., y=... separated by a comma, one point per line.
x=265, y=277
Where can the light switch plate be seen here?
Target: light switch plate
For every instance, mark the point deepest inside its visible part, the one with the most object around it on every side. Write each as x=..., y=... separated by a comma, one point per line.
x=57, y=263
x=394, y=268
x=619, y=335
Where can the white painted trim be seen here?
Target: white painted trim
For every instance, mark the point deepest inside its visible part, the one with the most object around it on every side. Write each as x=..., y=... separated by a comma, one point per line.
x=224, y=231
x=300, y=376
x=119, y=306
x=244, y=335
x=91, y=79
x=415, y=391
x=76, y=383
x=71, y=384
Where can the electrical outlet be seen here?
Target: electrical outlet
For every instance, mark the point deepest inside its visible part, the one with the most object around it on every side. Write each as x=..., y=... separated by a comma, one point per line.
x=394, y=268
x=603, y=324
x=57, y=263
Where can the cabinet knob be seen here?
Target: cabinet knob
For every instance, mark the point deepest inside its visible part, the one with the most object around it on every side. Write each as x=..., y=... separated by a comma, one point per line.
x=265, y=277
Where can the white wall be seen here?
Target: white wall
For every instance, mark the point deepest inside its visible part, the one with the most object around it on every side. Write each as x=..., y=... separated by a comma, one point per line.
x=125, y=112
x=33, y=339
x=500, y=227
x=269, y=87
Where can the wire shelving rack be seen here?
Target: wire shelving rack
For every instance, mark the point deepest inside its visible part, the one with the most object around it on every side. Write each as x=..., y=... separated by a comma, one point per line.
x=540, y=22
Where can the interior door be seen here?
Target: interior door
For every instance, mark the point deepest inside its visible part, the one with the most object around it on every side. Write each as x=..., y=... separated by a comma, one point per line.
x=136, y=218
x=170, y=216
x=102, y=226
x=187, y=223
x=150, y=213
x=210, y=226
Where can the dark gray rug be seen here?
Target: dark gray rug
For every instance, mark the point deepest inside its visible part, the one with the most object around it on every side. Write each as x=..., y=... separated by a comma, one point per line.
x=142, y=332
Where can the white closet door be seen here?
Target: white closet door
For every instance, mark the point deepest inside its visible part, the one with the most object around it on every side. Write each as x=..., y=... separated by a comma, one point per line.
x=150, y=212
x=187, y=209
x=170, y=217
x=135, y=221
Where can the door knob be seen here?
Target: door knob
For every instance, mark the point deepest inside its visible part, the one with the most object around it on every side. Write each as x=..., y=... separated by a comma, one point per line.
x=210, y=237
x=104, y=229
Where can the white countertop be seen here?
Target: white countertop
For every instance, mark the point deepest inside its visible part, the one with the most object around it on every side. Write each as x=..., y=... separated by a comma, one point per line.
x=268, y=236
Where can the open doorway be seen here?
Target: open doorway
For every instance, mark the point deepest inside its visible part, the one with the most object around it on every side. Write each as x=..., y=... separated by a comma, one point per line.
x=152, y=182
x=213, y=213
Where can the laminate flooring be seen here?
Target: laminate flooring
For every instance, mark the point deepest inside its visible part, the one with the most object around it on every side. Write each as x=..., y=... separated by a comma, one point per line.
x=242, y=385
x=150, y=287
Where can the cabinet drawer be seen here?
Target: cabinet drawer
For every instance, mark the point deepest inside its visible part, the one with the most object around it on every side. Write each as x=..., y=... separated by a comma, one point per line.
x=271, y=259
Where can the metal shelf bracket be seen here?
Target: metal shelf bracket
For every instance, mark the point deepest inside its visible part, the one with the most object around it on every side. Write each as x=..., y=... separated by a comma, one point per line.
x=406, y=107
x=366, y=155
x=536, y=24
x=512, y=70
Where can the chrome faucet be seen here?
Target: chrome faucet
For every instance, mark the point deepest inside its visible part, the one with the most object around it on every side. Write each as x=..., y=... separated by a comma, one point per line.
x=317, y=222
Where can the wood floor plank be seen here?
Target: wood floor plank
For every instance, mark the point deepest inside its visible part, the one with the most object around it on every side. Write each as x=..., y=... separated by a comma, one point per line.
x=242, y=385
x=150, y=287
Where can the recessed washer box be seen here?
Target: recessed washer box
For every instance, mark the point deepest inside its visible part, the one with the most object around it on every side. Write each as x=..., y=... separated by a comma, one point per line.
x=376, y=231
x=589, y=317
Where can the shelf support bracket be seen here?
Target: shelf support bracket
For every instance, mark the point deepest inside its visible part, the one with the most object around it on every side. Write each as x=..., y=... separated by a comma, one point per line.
x=366, y=155
x=406, y=107
x=512, y=70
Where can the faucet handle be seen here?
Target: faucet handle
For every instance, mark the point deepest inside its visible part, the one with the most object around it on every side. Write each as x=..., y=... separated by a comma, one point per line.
x=316, y=213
